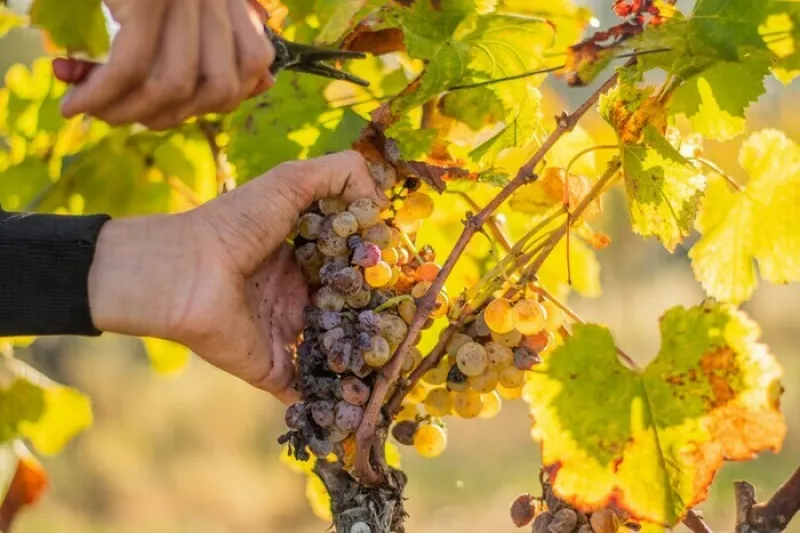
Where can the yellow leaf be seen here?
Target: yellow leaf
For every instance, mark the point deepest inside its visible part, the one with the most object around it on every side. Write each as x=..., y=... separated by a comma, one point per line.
x=167, y=357
x=757, y=225
x=318, y=498
x=66, y=413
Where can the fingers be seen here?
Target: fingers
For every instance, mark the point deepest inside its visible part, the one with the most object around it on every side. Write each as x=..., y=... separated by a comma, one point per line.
x=254, y=52
x=174, y=77
x=218, y=90
x=344, y=174
x=173, y=60
x=129, y=63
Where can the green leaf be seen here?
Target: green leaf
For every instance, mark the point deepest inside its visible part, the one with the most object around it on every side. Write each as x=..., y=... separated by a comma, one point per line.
x=19, y=402
x=476, y=108
x=167, y=358
x=277, y=127
x=414, y=143
x=23, y=183
x=10, y=19
x=719, y=56
x=715, y=101
x=338, y=130
x=79, y=28
x=664, y=190
x=758, y=225
x=336, y=17
x=651, y=441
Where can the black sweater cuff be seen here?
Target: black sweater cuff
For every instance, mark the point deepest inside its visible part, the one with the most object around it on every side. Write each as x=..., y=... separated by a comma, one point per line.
x=44, y=273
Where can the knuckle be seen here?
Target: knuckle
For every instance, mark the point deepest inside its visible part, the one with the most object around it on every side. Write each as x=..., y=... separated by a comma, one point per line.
x=223, y=94
x=171, y=89
x=257, y=61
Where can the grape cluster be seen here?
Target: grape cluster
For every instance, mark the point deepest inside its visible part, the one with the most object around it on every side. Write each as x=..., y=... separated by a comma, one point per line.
x=484, y=364
x=561, y=518
x=365, y=275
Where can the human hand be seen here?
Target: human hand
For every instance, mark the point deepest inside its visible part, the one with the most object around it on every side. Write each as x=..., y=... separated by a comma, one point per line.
x=220, y=279
x=172, y=60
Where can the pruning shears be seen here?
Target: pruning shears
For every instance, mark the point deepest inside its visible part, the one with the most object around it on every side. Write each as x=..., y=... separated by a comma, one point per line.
x=310, y=59
x=288, y=56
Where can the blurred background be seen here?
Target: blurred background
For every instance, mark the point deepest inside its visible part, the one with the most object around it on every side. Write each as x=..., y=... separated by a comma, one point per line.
x=197, y=452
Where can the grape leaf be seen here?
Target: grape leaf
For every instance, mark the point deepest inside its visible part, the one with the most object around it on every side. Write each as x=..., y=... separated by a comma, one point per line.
x=663, y=188
x=80, y=28
x=167, y=358
x=268, y=130
x=44, y=412
x=477, y=108
x=336, y=17
x=462, y=48
x=781, y=33
x=413, y=142
x=757, y=225
x=651, y=441
x=720, y=58
x=10, y=19
x=715, y=101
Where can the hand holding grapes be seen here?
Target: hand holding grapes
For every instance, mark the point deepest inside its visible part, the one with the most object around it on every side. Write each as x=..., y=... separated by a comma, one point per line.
x=220, y=279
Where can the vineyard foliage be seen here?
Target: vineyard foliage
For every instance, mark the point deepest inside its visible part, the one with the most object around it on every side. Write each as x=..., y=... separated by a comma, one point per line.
x=456, y=86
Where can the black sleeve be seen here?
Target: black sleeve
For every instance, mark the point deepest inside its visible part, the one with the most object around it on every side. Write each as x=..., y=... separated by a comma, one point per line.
x=44, y=273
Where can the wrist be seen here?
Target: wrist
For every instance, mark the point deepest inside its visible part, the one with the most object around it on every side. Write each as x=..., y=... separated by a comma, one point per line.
x=141, y=274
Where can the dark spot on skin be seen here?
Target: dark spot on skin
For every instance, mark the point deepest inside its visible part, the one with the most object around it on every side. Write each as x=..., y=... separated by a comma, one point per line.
x=615, y=464
x=573, y=376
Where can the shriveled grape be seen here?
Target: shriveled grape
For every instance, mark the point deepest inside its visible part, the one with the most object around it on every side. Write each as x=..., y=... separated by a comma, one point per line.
x=331, y=244
x=403, y=432
x=457, y=381
x=366, y=254
x=348, y=416
x=525, y=358
x=359, y=299
x=296, y=416
x=354, y=391
x=322, y=413
x=328, y=299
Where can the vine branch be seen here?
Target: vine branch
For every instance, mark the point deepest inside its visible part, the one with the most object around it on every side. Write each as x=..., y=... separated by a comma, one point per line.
x=771, y=516
x=365, y=436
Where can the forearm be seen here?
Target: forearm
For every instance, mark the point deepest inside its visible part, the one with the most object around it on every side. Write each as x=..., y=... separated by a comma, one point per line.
x=44, y=263
x=83, y=275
